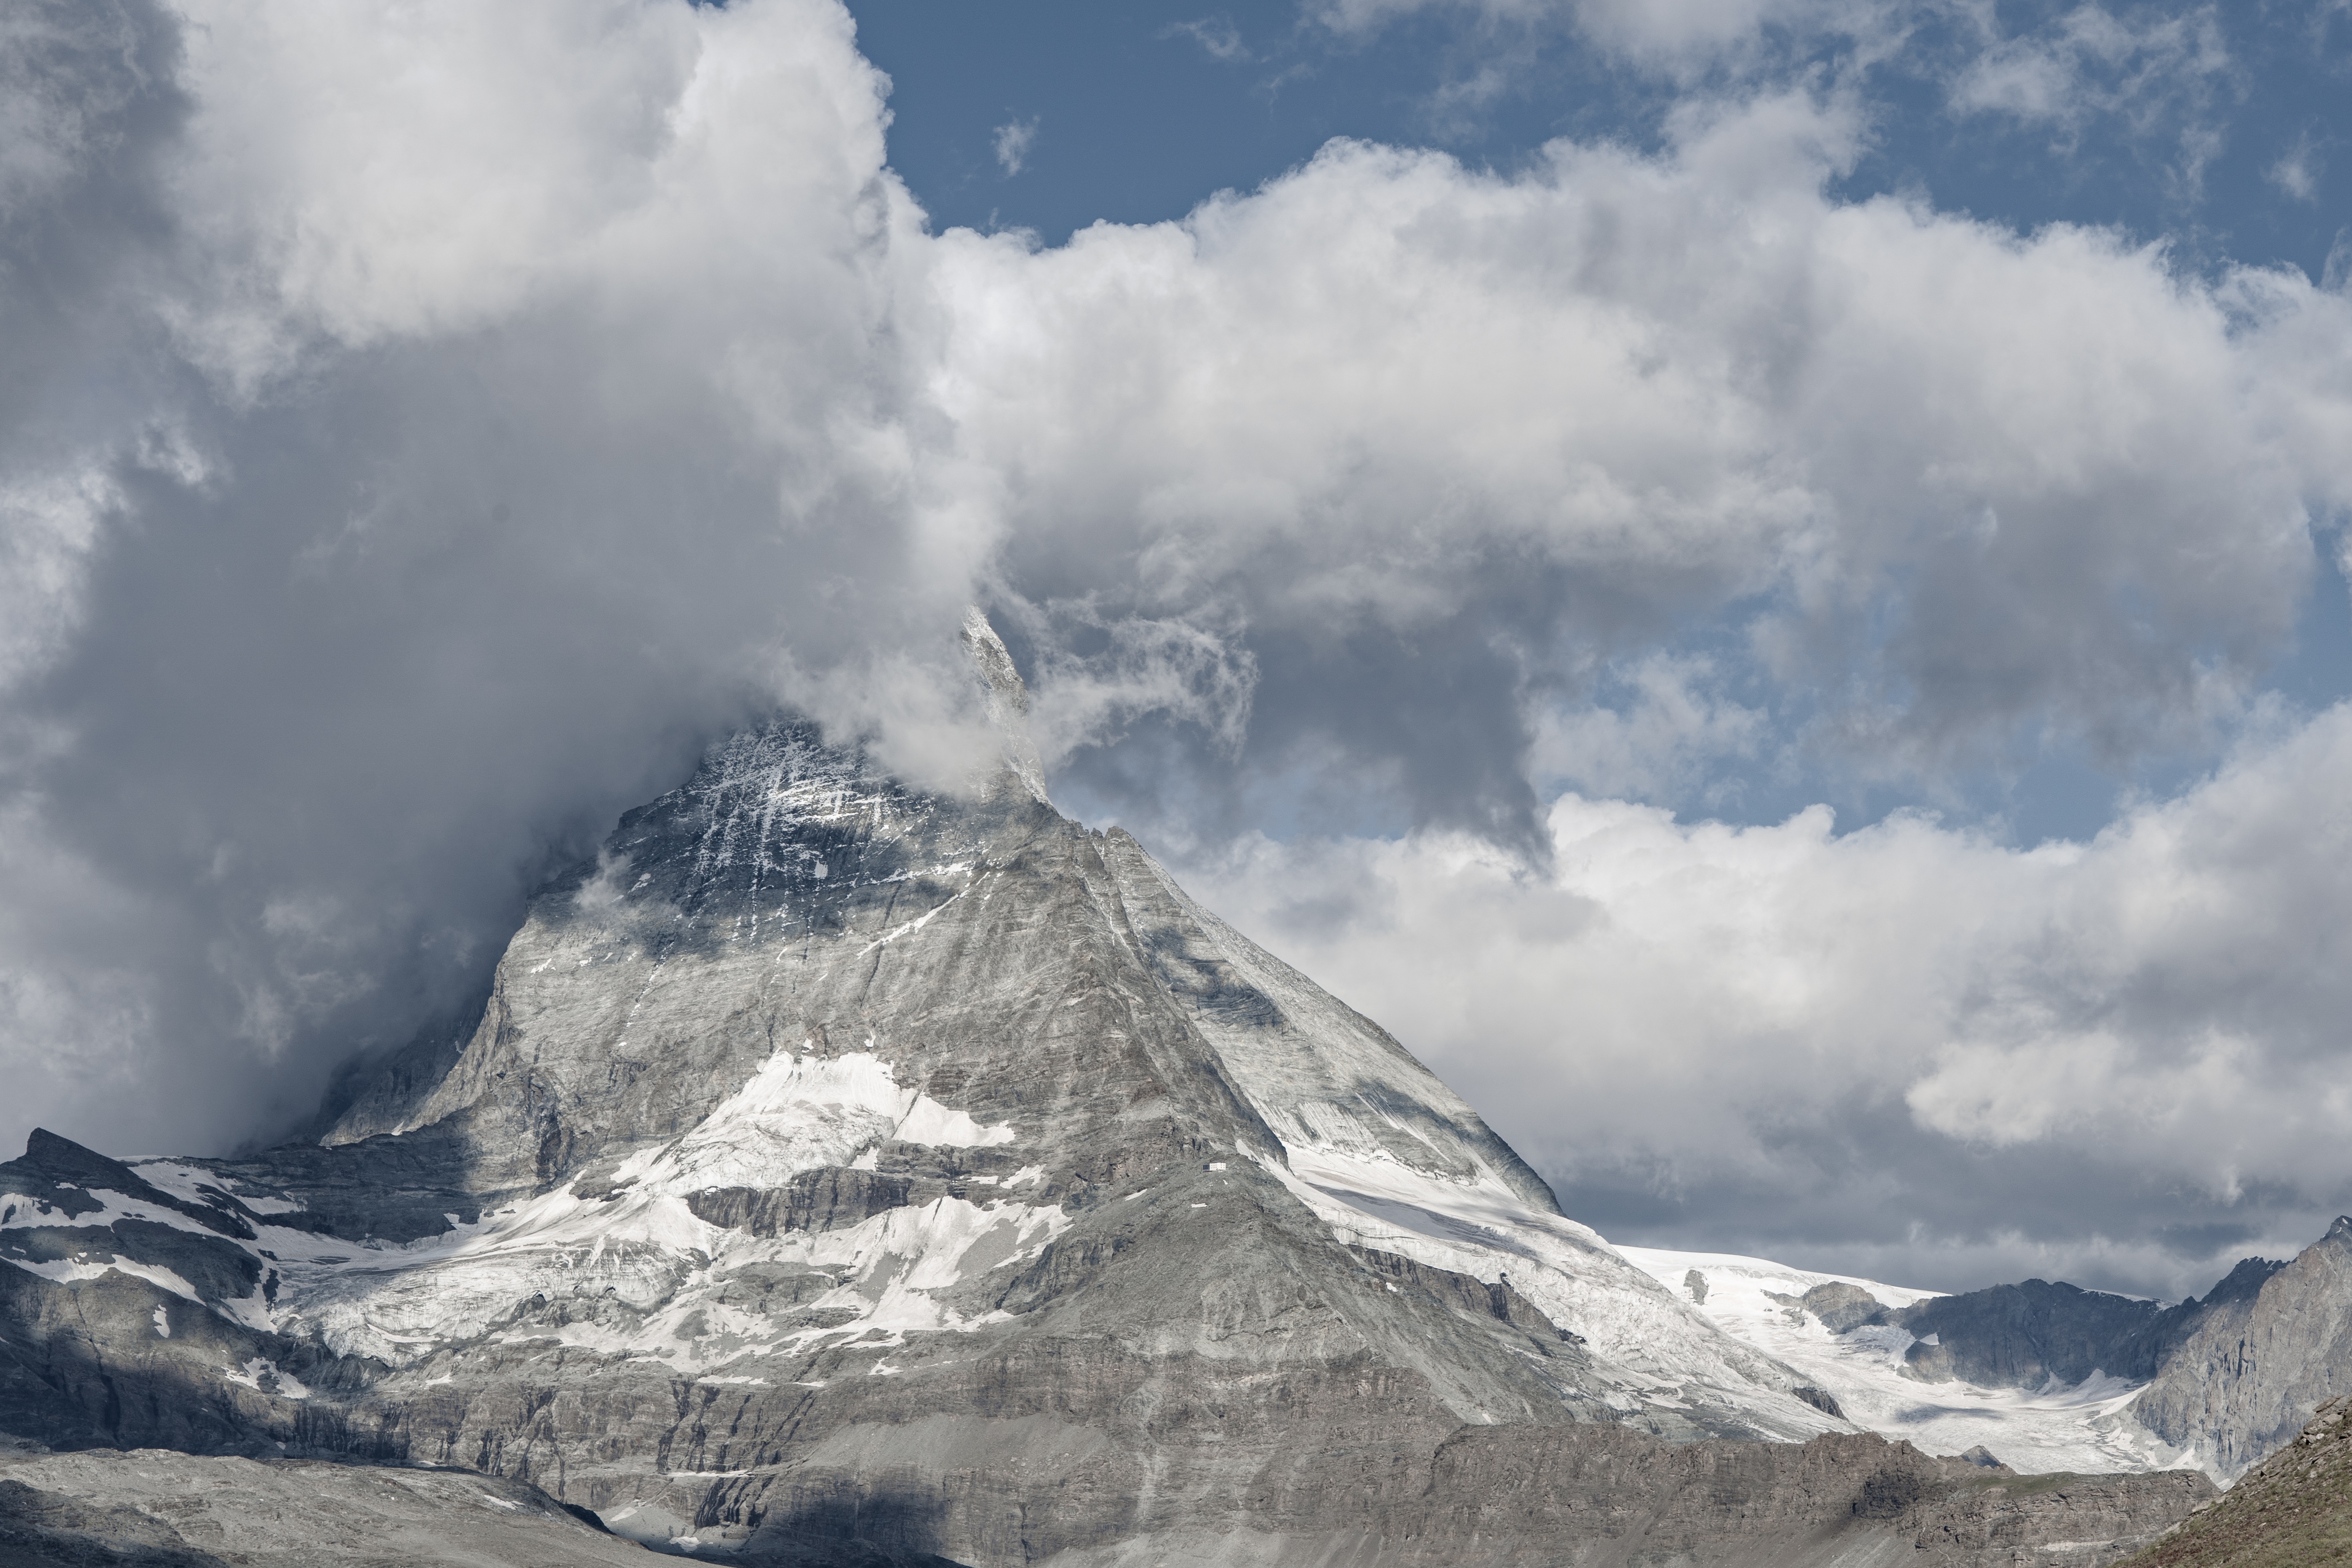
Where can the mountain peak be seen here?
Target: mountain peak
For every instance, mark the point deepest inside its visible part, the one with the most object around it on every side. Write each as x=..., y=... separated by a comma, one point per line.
x=1006, y=699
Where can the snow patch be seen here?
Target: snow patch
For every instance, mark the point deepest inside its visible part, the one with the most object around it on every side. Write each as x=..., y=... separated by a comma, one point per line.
x=66, y=1271
x=262, y=1376
x=1657, y=1346
x=800, y=1112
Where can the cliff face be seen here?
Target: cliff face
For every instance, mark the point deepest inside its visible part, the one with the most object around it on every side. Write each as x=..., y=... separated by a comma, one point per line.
x=2256, y=1368
x=837, y=1161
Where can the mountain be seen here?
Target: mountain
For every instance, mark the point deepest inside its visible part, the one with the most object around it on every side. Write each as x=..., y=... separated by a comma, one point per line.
x=833, y=1162
x=2254, y=1370
x=2052, y=1376
x=2292, y=1511
x=1846, y=1337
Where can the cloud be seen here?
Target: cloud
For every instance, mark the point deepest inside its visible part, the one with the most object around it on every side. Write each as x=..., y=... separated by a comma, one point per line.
x=433, y=423
x=1909, y=1046
x=1683, y=42
x=1670, y=732
x=1013, y=141
x=1217, y=36
x=2158, y=76
x=1973, y=489
x=439, y=421
x=2298, y=170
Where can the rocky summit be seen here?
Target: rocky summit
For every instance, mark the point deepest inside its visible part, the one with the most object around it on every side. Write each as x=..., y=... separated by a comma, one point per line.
x=840, y=1172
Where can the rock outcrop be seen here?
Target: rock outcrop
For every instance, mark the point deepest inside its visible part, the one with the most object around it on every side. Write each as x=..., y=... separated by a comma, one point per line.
x=2037, y=1333
x=2028, y=1335
x=152, y=1508
x=2256, y=1368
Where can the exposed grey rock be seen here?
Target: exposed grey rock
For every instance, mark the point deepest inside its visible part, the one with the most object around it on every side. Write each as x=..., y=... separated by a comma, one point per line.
x=826, y=1198
x=1842, y=1307
x=151, y=1509
x=57, y=1172
x=1695, y=1283
x=2292, y=1511
x=376, y=1094
x=1820, y=1399
x=2022, y=1336
x=1592, y=1495
x=2254, y=1370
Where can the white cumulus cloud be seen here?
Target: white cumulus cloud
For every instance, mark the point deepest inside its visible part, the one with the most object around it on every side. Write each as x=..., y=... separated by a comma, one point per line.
x=2147, y=1026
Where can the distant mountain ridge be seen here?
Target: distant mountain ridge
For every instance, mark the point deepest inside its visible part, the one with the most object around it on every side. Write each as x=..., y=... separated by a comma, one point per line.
x=2069, y=1377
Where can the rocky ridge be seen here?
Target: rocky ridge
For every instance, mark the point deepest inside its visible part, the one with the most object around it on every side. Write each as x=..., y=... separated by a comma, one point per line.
x=2254, y=1372
x=156, y=1509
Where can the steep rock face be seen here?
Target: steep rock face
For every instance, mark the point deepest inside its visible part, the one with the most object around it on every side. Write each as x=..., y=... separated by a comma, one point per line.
x=2024, y=1335
x=2034, y=1333
x=1593, y=1496
x=2254, y=1372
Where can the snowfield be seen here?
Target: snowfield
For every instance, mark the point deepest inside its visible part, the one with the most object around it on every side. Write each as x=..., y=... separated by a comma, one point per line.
x=2080, y=1428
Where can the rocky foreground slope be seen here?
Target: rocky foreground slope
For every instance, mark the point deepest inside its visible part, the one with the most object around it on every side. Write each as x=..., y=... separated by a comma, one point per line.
x=156, y=1509
x=838, y=1162
x=2292, y=1511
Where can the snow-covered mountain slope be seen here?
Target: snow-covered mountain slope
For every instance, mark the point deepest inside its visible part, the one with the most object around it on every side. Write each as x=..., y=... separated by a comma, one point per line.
x=2079, y=1427
x=1380, y=1149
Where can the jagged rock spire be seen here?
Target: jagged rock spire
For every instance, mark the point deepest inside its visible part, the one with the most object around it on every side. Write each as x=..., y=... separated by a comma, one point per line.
x=1006, y=701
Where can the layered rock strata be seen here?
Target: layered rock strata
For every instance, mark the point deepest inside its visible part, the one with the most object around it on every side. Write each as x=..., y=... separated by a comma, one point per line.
x=153, y=1508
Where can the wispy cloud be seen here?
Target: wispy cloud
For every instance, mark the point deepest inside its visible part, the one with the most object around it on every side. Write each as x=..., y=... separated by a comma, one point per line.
x=1013, y=141
x=2160, y=77
x=1217, y=36
x=2298, y=169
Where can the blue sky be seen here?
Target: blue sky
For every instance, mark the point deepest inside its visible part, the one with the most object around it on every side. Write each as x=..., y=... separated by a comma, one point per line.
x=2226, y=142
